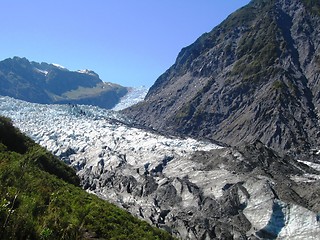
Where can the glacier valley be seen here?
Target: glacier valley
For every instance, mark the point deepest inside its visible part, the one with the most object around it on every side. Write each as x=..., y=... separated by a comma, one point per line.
x=193, y=189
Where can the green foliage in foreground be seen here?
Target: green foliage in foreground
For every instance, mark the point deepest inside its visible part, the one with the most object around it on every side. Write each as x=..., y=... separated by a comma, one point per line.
x=40, y=198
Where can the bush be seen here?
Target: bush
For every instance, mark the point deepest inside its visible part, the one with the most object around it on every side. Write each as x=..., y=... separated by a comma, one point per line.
x=40, y=199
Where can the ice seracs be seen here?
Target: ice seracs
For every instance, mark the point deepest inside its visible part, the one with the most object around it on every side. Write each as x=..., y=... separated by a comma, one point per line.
x=182, y=185
x=135, y=95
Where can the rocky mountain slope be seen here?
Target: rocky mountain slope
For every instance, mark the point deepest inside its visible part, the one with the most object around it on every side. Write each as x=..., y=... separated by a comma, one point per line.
x=253, y=77
x=193, y=189
x=40, y=198
x=51, y=83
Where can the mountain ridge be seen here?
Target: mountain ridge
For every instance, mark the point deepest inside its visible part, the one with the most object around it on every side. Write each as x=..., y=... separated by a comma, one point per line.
x=52, y=83
x=253, y=77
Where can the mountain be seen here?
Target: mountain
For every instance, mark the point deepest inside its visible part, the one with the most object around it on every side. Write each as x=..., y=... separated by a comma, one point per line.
x=251, y=83
x=192, y=189
x=253, y=77
x=52, y=83
x=40, y=198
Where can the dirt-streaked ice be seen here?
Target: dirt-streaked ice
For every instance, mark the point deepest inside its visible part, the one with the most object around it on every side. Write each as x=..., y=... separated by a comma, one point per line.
x=151, y=175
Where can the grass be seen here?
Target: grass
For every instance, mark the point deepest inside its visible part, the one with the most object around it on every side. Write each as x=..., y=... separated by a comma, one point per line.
x=257, y=51
x=40, y=198
x=82, y=92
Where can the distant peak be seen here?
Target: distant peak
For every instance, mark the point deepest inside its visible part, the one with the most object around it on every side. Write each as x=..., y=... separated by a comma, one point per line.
x=19, y=58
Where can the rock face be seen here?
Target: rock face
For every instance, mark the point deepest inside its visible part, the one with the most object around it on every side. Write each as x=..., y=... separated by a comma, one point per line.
x=254, y=77
x=51, y=83
x=193, y=189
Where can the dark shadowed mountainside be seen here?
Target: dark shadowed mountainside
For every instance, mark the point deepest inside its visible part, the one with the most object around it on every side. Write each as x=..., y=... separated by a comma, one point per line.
x=256, y=76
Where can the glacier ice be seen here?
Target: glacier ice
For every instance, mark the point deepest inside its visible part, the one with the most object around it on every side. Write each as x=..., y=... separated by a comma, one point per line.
x=154, y=176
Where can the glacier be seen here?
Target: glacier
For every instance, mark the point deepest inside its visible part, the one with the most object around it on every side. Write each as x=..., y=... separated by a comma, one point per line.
x=168, y=181
x=135, y=95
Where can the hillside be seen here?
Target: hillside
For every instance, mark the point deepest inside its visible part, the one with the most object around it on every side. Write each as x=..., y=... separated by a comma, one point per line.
x=40, y=198
x=253, y=77
x=51, y=83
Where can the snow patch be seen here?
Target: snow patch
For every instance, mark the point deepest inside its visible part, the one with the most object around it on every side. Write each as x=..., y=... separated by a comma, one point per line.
x=58, y=66
x=87, y=71
x=41, y=71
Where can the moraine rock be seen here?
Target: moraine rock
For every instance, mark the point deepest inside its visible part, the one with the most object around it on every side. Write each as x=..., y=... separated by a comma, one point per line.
x=195, y=190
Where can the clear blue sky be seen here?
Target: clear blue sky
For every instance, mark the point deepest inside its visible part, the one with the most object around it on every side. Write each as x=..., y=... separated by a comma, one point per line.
x=130, y=42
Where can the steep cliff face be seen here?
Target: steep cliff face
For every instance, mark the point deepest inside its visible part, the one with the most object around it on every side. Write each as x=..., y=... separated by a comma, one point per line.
x=255, y=76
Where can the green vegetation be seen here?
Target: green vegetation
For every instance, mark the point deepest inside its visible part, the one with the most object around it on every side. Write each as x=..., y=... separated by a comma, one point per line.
x=257, y=51
x=317, y=60
x=313, y=5
x=82, y=92
x=258, y=48
x=40, y=198
x=26, y=80
x=185, y=112
x=278, y=85
x=242, y=16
